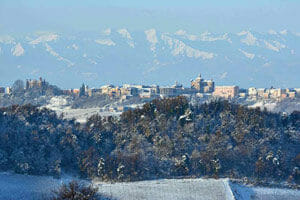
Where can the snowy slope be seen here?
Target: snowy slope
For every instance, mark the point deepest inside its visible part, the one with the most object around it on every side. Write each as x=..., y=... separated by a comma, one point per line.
x=118, y=56
x=25, y=187
x=61, y=105
x=259, y=193
x=170, y=189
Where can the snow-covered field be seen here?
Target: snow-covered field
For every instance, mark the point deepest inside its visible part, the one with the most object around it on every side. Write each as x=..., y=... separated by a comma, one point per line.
x=25, y=187
x=261, y=193
x=61, y=105
x=169, y=189
x=270, y=106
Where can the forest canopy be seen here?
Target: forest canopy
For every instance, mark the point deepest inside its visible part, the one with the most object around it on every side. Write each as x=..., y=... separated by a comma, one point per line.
x=165, y=138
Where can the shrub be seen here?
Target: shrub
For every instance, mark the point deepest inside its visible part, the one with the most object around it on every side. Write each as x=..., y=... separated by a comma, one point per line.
x=76, y=191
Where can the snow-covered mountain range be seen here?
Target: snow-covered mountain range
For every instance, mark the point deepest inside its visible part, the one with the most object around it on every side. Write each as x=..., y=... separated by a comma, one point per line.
x=118, y=56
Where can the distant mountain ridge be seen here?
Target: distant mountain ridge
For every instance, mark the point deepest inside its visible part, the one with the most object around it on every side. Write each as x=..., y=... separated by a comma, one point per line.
x=118, y=56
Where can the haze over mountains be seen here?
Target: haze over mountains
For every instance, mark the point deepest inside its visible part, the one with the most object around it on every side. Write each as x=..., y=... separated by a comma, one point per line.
x=247, y=58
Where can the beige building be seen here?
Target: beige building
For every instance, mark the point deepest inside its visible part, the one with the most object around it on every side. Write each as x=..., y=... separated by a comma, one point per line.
x=276, y=93
x=260, y=92
x=8, y=90
x=227, y=92
x=203, y=86
x=35, y=83
x=252, y=91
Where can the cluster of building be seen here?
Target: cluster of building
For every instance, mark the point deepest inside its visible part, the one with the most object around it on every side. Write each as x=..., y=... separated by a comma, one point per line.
x=199, y=87
x=30, y=84
x=40, y=83
x=273, y=93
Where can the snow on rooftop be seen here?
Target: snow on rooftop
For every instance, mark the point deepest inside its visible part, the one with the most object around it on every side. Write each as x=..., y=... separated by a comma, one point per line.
x=17, y=50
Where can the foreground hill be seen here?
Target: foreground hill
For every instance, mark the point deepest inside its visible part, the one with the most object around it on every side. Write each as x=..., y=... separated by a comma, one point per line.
x=163, y=139
x=25, y=187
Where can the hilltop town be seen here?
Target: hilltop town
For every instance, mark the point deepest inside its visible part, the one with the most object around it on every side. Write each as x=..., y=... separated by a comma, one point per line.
x=112, y=99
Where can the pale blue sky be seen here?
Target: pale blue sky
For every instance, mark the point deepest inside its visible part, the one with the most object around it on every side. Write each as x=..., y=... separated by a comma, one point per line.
x=168, y=15
x=153, y=3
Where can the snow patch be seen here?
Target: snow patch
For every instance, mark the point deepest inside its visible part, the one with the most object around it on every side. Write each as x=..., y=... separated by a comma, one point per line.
x=269, y=106
x=224, y=75
x=272, y=32
x=180, y=32
x=242, y=33
x=125, y=34
x=106, y=32
x=7, y=39
x=248, y=55
x=55, y=54
x=17, y=186
x=107, y=42
x=283, y=32
x=75, y=47
x=24, y=187
x=168, y=189
x=242, y=192
x=210, y=38
x=180, y=48
x=18, y=50
x=276, y=46
x=152, y=38
x=206, y=36
x=267, y=64
x=250, y=40
x=92, y=62
x=48, y=37
x=57, y=102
